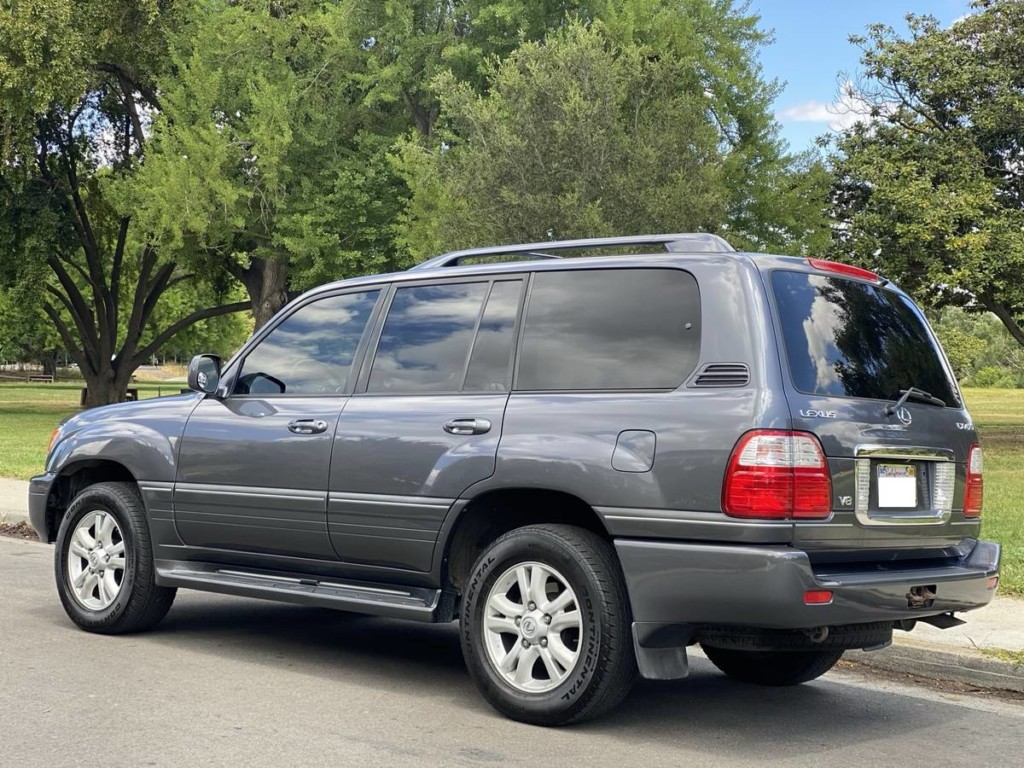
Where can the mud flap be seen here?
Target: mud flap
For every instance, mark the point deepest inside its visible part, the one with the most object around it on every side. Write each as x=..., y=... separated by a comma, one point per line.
x=661, y=654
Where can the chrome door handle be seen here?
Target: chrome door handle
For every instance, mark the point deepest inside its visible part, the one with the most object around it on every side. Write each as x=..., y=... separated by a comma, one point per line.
x=467, y=426
x=307, y=426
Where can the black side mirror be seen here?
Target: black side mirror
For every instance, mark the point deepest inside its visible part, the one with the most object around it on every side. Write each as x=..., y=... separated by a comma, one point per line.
x=204, y=373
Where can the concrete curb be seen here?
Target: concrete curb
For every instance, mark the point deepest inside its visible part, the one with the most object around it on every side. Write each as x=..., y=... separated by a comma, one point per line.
x=938, y=663
x=12, y=517
x=13, y=501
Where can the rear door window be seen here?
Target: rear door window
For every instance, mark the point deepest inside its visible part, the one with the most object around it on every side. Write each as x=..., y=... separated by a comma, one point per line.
x=427, y=336
x=490, y=365
x=611, y=329
x=852, y=339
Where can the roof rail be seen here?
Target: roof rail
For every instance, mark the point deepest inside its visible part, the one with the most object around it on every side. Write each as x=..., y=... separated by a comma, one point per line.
x=690, y=242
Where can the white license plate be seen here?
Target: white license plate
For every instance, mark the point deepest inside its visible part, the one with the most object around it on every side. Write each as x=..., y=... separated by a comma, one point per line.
x=897, y=486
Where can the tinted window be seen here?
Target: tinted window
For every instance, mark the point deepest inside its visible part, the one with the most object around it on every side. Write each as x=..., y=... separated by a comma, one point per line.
x=853, y=339
x=610, y=329
x=311, y=351
x=490, y=363
x=426, y=338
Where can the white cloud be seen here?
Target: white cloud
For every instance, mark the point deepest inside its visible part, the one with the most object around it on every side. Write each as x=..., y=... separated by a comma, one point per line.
x=847, y=109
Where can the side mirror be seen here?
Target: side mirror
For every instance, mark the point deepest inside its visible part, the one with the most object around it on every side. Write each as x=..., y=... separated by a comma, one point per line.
x=204, y=373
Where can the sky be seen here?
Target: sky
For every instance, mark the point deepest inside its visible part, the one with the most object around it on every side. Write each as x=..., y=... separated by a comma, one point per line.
x=812, y=49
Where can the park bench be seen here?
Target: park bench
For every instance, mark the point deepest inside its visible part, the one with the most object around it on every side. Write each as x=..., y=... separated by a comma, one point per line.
x=43, y=377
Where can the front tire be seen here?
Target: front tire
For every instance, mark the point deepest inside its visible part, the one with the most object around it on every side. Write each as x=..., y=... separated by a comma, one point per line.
x=545, y=626
x=104, y=562
x=775, y=668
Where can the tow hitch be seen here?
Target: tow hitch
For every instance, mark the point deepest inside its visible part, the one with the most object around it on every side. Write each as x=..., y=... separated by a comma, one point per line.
x=921, y=597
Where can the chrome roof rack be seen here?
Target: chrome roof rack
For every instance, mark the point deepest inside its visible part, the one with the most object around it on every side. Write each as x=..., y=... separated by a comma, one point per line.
x=689, y=242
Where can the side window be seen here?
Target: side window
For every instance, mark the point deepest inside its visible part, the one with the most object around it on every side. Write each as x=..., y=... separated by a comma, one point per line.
x=490, y=364
x=610, y=329
x=311, y=351
x=426, y=338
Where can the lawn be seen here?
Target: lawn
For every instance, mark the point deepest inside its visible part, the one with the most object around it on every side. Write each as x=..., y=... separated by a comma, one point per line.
x=29, y=412
x=999, y=415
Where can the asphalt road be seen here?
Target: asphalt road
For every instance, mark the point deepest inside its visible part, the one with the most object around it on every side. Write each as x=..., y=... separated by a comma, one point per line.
x=226, y=682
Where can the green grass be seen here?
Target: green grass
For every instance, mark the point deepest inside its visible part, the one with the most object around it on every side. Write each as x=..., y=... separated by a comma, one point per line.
x=1013, y=657
x=999, y=416
x=29, y=412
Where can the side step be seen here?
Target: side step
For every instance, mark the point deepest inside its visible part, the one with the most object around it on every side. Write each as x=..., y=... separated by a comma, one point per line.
x=390, y=600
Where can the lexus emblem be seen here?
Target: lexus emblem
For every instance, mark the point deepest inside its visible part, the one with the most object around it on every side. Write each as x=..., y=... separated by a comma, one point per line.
x=904, y=416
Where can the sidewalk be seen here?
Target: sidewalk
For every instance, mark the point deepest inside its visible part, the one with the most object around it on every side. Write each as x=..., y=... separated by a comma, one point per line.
x=987, y=651
x=13, y=501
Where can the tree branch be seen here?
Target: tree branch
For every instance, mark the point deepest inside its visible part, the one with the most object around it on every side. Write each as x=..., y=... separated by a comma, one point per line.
x=155, y=290
x=86, y=320
x=115, y=270
x=68, y=338
x=121, y=74
x=200, y=314
x=1005, y=316
x=135, y=321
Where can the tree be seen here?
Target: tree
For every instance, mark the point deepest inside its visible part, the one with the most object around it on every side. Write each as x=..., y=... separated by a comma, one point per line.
x=77, y=89
x=262, y=165
x=408, y=43
x=930, y=190
x=611, y=128
x=26, y=334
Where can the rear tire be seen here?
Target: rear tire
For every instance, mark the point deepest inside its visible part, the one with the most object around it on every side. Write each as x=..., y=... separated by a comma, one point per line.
x=776, y=668
x=563, y=651
x=104, y=562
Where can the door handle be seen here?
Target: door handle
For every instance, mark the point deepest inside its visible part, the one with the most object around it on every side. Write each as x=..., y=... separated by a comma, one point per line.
x=467, y=426
x=307, y=426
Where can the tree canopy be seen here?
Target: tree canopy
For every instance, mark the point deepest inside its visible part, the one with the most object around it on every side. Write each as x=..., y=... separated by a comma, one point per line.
x=263, y=164
x=621, y=127
x=930, y=191
x=77, y=87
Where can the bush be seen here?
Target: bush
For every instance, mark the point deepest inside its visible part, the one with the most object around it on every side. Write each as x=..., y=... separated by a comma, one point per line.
x=993, y=376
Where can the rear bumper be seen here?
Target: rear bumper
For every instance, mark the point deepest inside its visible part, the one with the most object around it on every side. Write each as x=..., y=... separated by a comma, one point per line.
x=38, y=493
x=764, y=586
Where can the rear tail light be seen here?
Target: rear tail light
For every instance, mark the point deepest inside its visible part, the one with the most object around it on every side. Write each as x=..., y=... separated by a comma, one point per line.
x=974, y=490
x=844, y=269
x=777, y=475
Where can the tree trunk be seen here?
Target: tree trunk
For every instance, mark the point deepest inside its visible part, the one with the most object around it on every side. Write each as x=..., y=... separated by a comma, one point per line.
x=103, y=388
x=266, y=282
x=49, y=360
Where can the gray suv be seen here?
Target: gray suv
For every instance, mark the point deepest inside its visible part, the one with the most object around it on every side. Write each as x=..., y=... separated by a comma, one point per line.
x=591, y=463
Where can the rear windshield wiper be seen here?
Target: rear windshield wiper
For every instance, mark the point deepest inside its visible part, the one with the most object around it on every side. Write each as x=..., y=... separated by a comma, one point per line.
x=916, y=394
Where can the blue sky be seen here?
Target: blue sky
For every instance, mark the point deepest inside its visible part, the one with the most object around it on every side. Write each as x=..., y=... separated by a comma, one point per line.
x=811, y=49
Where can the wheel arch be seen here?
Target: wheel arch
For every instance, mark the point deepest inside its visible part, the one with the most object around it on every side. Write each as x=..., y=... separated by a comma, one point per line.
x=72, y=478
x=474, y=523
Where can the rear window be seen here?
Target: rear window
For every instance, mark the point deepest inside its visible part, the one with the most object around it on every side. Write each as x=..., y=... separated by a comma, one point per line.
x=610, y=330
x=852, y=339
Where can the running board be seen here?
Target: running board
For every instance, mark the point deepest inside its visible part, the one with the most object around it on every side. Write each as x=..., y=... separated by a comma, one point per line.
x=390, y=600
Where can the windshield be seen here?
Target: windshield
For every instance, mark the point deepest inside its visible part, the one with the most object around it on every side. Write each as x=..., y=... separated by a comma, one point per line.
x=852, y=339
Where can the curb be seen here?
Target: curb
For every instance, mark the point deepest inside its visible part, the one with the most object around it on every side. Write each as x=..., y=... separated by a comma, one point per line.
x=12, y=517
x=936, y=663
x=13, y=501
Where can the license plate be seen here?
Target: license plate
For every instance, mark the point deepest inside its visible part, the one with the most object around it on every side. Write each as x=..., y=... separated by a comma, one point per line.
x=897, y=486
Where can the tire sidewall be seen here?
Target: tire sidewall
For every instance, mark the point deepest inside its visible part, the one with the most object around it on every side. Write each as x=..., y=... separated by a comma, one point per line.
x=91, y=500
x=572, y=694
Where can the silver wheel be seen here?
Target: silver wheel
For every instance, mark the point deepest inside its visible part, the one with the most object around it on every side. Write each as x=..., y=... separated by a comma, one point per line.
x=96, y=560
x=532, y=627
